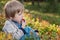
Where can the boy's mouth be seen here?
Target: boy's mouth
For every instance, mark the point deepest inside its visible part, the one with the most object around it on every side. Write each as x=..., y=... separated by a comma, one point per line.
x=23, y=20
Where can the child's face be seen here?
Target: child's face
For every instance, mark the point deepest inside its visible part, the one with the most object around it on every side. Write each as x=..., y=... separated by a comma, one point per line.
x=18, y=17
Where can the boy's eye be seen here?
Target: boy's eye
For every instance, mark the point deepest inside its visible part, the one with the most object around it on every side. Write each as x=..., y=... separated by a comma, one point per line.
x=18, y=11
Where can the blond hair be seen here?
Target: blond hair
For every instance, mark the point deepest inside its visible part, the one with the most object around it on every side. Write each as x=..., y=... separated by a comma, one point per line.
x=11, y=7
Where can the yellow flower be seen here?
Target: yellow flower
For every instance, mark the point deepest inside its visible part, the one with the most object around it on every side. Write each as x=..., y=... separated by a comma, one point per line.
x=9, y=37
x=58, y=30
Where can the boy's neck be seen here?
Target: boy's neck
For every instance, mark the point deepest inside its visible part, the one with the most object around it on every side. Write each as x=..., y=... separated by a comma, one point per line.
x=16, y=21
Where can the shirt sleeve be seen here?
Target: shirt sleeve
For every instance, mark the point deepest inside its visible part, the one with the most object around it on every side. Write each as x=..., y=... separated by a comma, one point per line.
x=28, y=29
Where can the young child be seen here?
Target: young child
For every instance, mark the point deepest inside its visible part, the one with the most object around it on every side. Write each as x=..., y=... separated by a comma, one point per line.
x=15, y=24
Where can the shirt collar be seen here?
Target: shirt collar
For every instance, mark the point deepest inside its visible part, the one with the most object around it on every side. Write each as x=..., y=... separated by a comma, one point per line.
x=17, y=24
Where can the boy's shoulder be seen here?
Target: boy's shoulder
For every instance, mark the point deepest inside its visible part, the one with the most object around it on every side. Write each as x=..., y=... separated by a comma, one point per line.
x=8, y=27
x=7, y=22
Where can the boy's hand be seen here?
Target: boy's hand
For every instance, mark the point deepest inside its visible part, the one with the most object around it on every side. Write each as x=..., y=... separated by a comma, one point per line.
x=23, y=23
x=37, y=34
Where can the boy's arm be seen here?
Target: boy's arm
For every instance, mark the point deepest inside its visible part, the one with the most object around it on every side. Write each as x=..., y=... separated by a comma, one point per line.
x=35, y=32
x=28, y=29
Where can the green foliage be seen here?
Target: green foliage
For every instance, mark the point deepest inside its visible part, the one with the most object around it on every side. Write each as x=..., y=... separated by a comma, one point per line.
x=2, y=3
x=43, y=12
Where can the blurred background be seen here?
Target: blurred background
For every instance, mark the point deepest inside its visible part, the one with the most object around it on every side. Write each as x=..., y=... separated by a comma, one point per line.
x=45, y=9
x=43, y=15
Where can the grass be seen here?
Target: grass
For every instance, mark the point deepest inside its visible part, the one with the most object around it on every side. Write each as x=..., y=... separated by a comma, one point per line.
x=53, y=18
x=1, y=27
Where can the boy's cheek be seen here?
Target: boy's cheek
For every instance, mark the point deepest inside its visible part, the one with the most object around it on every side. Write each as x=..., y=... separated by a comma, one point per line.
x=21, y=17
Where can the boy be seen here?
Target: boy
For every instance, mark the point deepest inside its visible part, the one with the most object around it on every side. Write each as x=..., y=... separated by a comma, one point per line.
x=15, y=23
